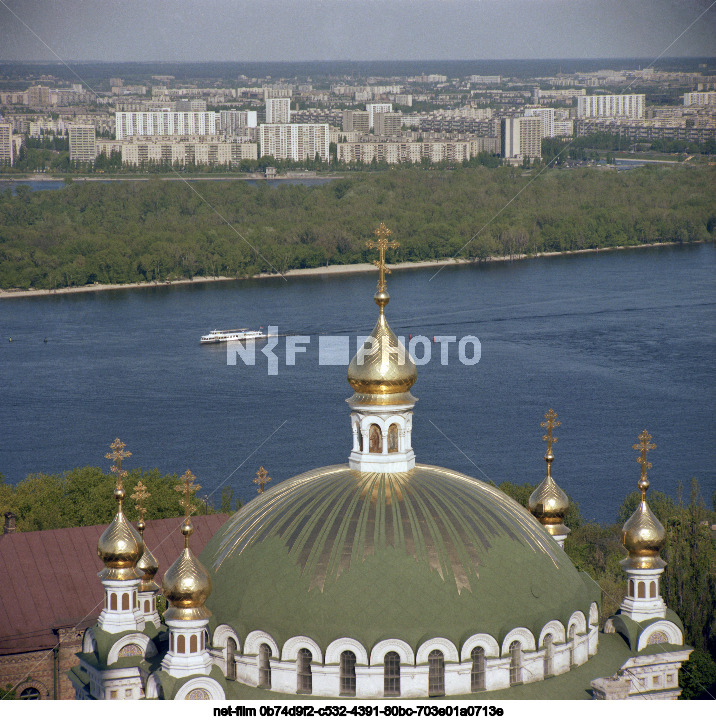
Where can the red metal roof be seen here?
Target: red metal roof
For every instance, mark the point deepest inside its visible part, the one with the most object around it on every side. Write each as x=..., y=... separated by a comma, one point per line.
x=48, y=579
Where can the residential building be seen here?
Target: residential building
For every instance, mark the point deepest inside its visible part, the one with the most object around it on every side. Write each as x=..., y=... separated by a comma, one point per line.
x=374, y=108
x=546, y=116
x=397, y=151
x=278, y=110
x=231, y=120
x=356, y=120
x=6, y=150
x=193, y=106
x=387, y=123
x=82, y=143
x=165, y=122
x=521, y=138
x=705, y=98
x=610, y=106
x=294, y=141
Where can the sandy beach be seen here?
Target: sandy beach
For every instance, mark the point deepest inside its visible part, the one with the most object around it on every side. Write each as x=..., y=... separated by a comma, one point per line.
x=307, y=272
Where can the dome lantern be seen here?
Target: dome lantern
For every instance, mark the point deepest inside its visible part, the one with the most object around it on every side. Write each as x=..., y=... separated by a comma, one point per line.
x=381, y=375
x=147, y=564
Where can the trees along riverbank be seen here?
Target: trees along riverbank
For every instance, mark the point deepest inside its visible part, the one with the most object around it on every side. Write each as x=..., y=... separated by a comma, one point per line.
x=153, y=231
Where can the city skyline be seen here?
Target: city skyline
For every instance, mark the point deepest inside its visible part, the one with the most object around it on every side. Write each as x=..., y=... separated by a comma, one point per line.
x=333, y=30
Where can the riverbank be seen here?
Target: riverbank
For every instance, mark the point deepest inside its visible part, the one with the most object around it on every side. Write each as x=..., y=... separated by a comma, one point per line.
x=324, y=270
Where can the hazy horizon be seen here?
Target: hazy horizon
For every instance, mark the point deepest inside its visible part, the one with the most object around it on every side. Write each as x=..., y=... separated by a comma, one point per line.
x=179, y=31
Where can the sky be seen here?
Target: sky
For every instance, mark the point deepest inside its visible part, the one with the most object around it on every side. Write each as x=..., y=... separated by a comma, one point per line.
x=293, y=30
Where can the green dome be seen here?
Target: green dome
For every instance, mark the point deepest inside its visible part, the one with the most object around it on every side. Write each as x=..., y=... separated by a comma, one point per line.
x=336, y=553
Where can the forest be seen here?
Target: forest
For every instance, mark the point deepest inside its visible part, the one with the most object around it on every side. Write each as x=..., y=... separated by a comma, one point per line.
x=158, y=230
x=83, y=497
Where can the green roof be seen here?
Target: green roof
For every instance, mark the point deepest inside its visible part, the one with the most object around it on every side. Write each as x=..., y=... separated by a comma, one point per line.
x=431, y=552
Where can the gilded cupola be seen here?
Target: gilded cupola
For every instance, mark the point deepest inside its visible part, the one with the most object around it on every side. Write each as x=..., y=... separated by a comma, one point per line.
x=147, y=565
x=120, y=546
x=382, y=372
x=186, y=584
x=643, y=535
x=549, y=503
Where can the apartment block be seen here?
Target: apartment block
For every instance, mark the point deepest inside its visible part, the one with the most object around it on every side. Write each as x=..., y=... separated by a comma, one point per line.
x=610, y=106
x=521, y=138
x=294, y=141
x=278, y=110
x=165, y=122
x=373, y=108
x=387, y=123
x=82, y=143
x=394, y=152
x=6, y=151
x=231, y=120
x=705, y=98
x=356, y=121
x=546, y=116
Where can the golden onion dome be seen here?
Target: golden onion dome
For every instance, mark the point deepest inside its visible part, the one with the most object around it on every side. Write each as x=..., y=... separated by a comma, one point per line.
x=549, y=504
x=186, y=584
x=147, y=565
x=382, y=372
x=120, y=547
x=643, y=535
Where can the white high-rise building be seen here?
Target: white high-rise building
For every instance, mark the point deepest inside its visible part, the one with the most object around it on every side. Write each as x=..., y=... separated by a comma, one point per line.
x=294, y=141
x=231, y=120
x=374, y=108
x=521, y=138
x=610, y=106
x=278, y=110
x=705, y=98
x=165, y=122
x=546, y=116
x=6, y=154
x=82, y=143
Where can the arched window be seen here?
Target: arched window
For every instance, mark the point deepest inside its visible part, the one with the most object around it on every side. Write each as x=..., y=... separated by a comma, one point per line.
x=181, y=643
x=477, y=673
x=393, y=438
x=125, y=602
x=631, y=588
x=134, y=597
x=192, y=643
x=360, y=438
x=147, y=608
x=391, y=674
x=570, y=642
x=548, y=655
x=348, y=673
x=264, y=666
x=375, y=439
x=641, y=589
x=652, y=589
x=231, y=659
x=112, y=601
x=29, y=694
x=515, y=662
x=303, y=669
x=436, y=673
x=171, y=642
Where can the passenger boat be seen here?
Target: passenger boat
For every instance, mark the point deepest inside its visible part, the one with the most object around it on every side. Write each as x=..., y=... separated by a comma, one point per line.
x=222, y=336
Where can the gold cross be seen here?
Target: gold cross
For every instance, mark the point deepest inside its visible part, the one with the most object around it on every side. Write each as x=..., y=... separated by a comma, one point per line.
x=382, y=244
x=262, y=479
x=187, y=488
x=550, y=423
x=139, y=496
x=117, y=455
x=644, y=446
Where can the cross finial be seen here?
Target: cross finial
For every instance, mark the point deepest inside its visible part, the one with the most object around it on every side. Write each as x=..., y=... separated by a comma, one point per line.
x=187, y=488
x=644, y=446
x=262, y=479
x=550, y=423
x=139, y=496
x=117, y=455
x=382, y=244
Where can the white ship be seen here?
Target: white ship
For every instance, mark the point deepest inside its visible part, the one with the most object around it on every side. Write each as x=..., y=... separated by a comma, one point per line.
x=222, y=336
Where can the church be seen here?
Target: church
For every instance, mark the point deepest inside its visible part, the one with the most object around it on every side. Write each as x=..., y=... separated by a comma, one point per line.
x=383, y=577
